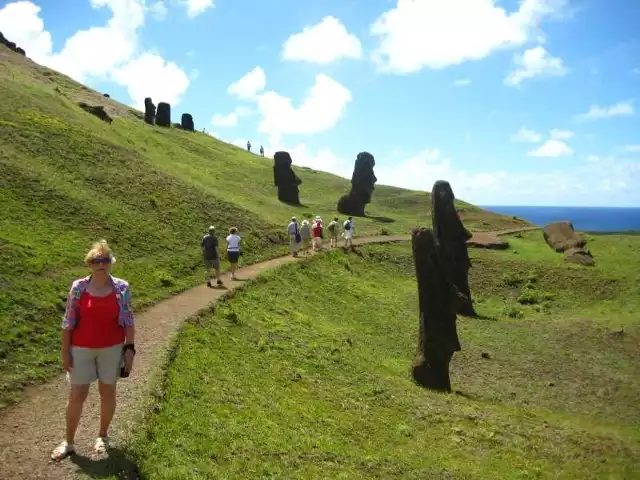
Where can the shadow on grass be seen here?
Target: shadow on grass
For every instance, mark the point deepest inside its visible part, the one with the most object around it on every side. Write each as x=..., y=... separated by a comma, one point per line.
x=380, y=219
x=116, y=464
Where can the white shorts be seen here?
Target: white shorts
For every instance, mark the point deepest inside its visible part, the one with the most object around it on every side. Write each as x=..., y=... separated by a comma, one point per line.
x=90, y=364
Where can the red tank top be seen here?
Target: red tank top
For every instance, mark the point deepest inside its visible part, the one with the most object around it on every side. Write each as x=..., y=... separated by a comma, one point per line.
x=98, y=325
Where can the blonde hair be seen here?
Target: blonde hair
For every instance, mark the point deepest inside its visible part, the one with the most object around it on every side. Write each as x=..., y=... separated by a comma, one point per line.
x=99, y=249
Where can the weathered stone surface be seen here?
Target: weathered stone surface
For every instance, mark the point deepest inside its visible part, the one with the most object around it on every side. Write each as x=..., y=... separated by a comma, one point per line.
x=163, y=115
x=580, y=256
x=438, y=300
x=561, y=236
x=11, y=45
x=487, y=240
x=149, y=111
x=285, y=179
x=452, y=237
x=97, y=110
x=186, y=122
x=362, y=186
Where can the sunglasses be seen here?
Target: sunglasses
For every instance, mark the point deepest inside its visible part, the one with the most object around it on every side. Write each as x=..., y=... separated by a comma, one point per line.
x=101, y=260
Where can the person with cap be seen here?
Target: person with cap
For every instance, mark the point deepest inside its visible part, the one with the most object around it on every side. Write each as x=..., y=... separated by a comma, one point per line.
x=294, y=236
x=211, y=254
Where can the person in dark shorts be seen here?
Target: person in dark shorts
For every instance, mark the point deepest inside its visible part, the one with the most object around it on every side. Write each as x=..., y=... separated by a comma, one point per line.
x=233, y=250
x=211, y=254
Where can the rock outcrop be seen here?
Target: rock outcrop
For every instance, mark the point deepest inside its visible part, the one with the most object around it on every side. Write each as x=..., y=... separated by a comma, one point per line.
x=163, y=115
x=564, y=239
x=452, y=237
x=97, y=110
x=285, y=179
x=487, y=240
x=186, y=122
x=438, y=300
x=362, y=186
x=11, y=45
x=149, y=111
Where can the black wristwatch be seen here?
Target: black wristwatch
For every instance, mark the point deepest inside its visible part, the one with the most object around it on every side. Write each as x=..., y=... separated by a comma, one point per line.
x=129, y=346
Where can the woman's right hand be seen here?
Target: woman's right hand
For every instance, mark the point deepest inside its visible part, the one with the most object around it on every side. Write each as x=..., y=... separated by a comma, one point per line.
x=67, y=361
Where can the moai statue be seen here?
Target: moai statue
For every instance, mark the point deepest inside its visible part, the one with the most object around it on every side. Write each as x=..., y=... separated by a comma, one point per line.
x=362, y=185
x=186, y=122
x=163, y=115
x=452, y=237
x=149, y=111
x=438, y=300
x=285, y=179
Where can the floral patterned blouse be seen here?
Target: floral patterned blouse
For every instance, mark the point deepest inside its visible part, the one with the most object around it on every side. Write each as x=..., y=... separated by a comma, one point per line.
x=123, y=296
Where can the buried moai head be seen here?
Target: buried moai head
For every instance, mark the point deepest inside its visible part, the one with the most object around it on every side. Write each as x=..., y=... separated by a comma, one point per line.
x=363, y=178
x=285, y=178
x=163, y=115
x=186, y=122
x=149, y=111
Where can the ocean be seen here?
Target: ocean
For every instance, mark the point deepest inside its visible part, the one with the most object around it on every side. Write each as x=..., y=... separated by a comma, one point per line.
x=588, y=219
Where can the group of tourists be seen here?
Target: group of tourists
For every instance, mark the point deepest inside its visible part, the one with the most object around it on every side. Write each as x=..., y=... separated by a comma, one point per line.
x=211, y=253
x=308, y=235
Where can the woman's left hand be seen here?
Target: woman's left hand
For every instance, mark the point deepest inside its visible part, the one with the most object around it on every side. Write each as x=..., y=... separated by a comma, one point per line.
x=128, y=360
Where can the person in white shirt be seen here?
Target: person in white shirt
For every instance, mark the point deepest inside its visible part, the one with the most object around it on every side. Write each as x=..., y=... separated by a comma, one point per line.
x=294, y=236
x=233, y=250
x=349, y=230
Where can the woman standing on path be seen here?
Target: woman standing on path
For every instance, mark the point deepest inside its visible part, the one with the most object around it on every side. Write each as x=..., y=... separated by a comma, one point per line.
x=233, y=250
x=98, y=333
x=305, y=236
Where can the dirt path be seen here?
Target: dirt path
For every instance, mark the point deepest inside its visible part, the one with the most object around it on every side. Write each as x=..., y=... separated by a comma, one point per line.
x=33, y=427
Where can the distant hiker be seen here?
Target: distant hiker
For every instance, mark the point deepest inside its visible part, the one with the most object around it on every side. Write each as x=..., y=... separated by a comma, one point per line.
x=248, y=146
x=294, y=236
x=233, y=250
x=334, y=231
x=317, y=231
x=349, y=230
x=211, y=254
x=97, y=344
x=261, y=151
x=305, y=236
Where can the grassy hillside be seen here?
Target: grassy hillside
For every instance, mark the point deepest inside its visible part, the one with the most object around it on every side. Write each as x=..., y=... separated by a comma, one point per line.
x=68, y=179
x=314, y=382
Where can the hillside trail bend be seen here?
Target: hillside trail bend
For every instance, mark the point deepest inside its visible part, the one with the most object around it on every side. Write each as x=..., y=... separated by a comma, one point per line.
x=30, y=429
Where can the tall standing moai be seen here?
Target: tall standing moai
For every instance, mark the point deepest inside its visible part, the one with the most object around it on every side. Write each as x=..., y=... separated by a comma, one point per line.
x=438, y=300
x=186, y=122
x=452, y=237
x=163, y=115
x=285, y=179
x=149, y=111
x=362, y=186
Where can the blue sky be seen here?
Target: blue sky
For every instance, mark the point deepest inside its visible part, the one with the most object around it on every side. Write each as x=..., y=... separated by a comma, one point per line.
x=530, y=102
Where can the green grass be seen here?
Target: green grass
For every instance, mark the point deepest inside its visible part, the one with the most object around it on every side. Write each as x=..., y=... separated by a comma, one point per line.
x=304, y=373
x=69, y=179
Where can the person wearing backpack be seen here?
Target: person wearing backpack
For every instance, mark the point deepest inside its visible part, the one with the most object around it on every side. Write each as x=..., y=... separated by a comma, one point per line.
x=294, y=236
x=349, y=230
x=317, y=235
x=334, y=228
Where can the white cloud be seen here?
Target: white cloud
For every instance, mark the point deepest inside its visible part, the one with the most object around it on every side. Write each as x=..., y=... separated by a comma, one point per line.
x=320, y=110
x=249, y=86
x=322, y=43
x=535, y=62
x=561, y=134
x=108, y=53
x=630, y=149
x=464, y=82
x=231, y=119
x=552, y=148
x=197, y=7
x=158, y=10
x=526, y=135
x=597, y=112
x=141, y=75
x=437, y=34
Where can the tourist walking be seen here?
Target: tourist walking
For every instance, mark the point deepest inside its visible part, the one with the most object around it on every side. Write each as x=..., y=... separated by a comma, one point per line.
x=97, y=344
x=317, y=234
x=234, y=250
x=349, y=231
x=305, y=236
x=294, y=236
x=334, y=231
x=211, y=254
x=261, y=151
x=248, y=146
